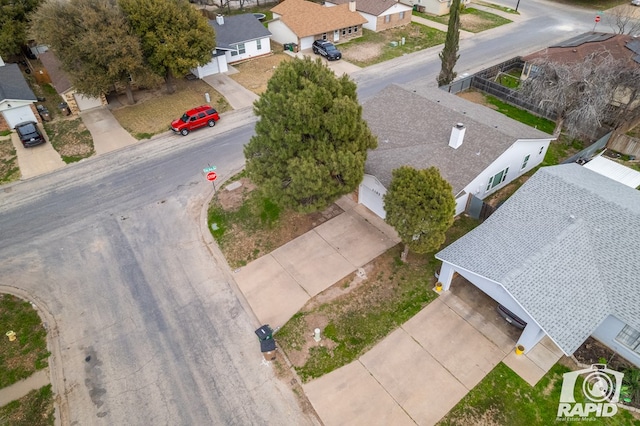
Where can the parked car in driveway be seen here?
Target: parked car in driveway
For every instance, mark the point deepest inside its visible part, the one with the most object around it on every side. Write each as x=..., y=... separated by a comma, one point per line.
x=326, y=49
x=29, y=134
x=201, y=116
x=635, y=2
x=511, y=318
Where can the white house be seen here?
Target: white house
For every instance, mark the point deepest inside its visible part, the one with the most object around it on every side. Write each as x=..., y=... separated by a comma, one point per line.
x=562, y=254
x=238, y=38
x=301, y=22
x=16, y=97
x=476, y=149
x=380, y=14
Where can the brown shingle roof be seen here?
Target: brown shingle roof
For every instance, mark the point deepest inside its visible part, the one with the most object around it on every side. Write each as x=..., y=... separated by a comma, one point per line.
x=59, y=78
x=570, y=52
x=305, y=18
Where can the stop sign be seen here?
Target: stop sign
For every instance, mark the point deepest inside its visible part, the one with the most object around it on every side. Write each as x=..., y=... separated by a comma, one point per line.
x=212, y=176
x=597, y=19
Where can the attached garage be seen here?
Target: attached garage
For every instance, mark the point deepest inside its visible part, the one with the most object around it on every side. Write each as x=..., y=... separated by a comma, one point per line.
x=85, y=102
x=371, y=194
x=18, y=115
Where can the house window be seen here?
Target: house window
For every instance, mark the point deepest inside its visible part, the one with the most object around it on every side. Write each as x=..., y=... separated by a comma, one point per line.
x=349, y=30
x=525, y=161
x=259, y=44
x=497, y=179
x=355, y=28
x=324, y=36
x=630, y=337
x=344, y=31
x=387, y=19
x=239, y=50
x=541, y=149
x=401, y=15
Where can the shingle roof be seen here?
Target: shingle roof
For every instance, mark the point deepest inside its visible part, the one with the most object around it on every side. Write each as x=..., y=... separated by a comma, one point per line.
x=13, y=86
x=576, y=49
x=413, y=128
x=305, y=18
x=59, y=78
x=238, y=29
x=565, y=246
x=372, y=7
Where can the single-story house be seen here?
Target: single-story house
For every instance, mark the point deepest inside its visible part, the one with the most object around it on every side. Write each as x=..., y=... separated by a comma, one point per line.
x=301, y=22
x=477, y=150
x=576, y=49
x=561, y=254
x=238, y=38
x=17, y=100
x=380, y=14
x=434, y=7
x=60, y=81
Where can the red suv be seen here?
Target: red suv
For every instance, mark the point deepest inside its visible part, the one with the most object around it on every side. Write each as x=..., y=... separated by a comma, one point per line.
x=194, y=118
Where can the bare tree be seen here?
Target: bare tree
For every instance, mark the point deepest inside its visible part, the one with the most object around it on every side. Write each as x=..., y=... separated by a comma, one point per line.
x=624, y=109
x=624, y=19
x=579, y=94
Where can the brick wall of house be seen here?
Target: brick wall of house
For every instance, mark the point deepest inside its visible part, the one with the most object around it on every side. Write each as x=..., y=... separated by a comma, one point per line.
x=3, y=123
x=394, y=21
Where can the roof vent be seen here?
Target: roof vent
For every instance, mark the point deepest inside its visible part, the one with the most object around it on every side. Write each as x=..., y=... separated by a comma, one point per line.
x=220, y=19
x=457, y=136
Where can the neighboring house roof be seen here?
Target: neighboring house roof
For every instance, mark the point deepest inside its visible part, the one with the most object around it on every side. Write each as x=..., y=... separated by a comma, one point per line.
x=59, y=78
x=305, y=18
x=238, y=29
x=13, y=86
x=620, y=46
x=565, y=246
x=616, y=171
x=414, y=127
x=372, y=7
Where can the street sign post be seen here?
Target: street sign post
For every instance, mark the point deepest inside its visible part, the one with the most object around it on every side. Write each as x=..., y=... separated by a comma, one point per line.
x=211, y=176
x=209, y=169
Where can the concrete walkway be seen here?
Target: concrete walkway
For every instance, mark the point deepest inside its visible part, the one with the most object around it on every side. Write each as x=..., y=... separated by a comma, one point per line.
x=236, y=94
x=17, y=390
x=438, y=26
x=108, y=135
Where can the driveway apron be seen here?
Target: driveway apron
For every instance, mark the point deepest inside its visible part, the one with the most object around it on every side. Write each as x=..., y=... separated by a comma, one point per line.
x=108, y=135
x=38, y=159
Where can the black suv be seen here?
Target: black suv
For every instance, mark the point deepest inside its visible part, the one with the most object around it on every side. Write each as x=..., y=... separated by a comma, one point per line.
x=326, y=49
x=29, y=134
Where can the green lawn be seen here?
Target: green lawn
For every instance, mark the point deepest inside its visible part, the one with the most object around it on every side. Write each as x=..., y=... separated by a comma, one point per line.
x=481, y=20
x=34, y=409
x=28, y=353
x=521, y=115
x=503, y=398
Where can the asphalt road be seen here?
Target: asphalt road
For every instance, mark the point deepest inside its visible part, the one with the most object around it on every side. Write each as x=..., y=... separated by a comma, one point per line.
x=147, y=325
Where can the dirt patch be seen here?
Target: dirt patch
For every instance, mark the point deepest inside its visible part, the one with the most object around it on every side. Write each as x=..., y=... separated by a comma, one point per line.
x=255, y=74
x=9, y=170
x=476, y=98
x=70, y=137
x=472, y=23
x=594, y=352
x=362, y=52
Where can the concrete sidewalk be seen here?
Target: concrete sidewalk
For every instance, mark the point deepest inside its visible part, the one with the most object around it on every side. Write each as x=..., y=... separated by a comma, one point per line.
x=17, y=390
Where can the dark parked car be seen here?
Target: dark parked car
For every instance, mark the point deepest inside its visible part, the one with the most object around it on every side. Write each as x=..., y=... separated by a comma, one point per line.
x=326, y=49
x=29, y=134
x=511, y=318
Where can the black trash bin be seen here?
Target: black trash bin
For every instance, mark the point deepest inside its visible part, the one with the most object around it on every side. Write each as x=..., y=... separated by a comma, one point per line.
x=264, y=333
x=267, y=344
x=44, y=112
x=64, y=108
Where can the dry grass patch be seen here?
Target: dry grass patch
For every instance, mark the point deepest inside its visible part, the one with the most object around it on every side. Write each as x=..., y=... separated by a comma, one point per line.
x=255, y=74
x=9, y=170
x=155, y=109
x=71, y=138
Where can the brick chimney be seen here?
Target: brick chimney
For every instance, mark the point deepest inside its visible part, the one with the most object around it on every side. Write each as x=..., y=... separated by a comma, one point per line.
x=457, y=135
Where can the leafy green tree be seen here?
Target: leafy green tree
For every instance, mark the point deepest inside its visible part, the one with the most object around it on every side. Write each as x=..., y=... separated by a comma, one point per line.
x=14, y=16
x=311, y=141
x=175, y=37
x=449, y=55
x=94, y=43
x=420, y=206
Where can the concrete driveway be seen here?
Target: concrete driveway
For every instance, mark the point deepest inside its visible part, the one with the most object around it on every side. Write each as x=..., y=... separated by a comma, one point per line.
x=36, y=160
x=278, y=284
x=108, y=135
x=338, y=67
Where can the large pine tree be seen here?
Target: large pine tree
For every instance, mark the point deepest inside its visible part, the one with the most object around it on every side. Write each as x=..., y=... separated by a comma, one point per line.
x=420, y=206
x=311, y=141
x=449, y=55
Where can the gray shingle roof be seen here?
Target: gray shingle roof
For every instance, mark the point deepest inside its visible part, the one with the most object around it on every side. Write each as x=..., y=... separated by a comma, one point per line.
x=413, y=128
x=565, y=245
x=372, y=7
x=238, y=29
x=13, y=86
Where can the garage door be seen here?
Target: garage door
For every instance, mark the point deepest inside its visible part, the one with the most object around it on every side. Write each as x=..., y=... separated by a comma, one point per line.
x=18, y=115
x=85, y=102
x=371, y=194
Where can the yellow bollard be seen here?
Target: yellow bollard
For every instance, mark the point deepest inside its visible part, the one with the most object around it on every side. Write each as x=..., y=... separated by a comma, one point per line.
x=519, y=350
x=438, y=286
x=11, y=335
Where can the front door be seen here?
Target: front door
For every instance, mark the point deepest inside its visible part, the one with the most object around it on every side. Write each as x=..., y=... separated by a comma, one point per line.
x=336, y=35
